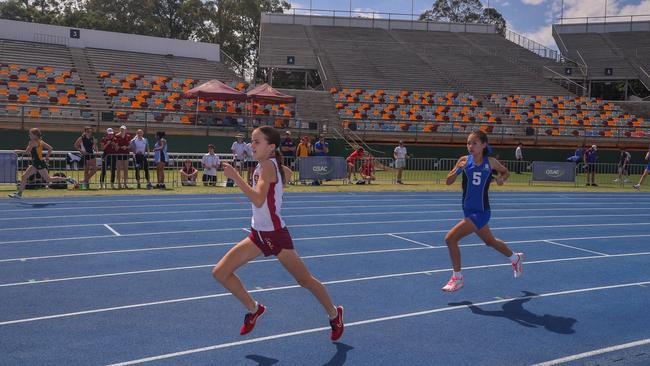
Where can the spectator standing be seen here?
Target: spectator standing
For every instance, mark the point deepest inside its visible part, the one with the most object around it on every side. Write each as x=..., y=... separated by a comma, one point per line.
x=108, y=157
x=646, y=171
x=160, y=158
x=519, y=156
x=399, y=154
x=302, y=151
x=304, y=147
x=591, y=158
x=123, y=143
x=623, y=162
x=87, y=146
x=249, y=162
x=288, y=148
x=210, y=163
x=238, y=150
x=140, y=147
x=321, y=147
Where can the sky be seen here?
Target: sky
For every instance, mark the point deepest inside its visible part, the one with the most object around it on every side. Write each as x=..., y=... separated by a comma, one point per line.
x=531, y=18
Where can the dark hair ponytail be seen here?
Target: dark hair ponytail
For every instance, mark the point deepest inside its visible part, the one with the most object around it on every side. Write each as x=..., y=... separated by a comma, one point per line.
x=482, y=136
x=273, y=137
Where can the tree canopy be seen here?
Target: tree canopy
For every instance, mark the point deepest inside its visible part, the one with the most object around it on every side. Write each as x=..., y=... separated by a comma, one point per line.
x=233, y=24
x=464, y=11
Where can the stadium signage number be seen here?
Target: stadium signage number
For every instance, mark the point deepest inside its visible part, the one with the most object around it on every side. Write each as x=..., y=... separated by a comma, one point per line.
x=476, y=178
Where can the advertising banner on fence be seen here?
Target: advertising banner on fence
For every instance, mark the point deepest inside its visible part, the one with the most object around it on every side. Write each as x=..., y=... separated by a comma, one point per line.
x=322, y=167
x=549, y=171
x=8, y=167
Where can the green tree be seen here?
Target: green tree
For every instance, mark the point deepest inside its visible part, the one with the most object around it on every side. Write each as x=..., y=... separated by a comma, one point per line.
x=41, y=11
x=235, y=26
x=464, y=11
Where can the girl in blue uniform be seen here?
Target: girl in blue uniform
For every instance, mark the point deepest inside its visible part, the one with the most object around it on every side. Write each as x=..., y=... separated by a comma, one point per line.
x=476, y=169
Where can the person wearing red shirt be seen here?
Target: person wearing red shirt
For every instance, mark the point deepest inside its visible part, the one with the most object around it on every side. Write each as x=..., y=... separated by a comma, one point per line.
x=123, y=144
x=352, y=159
x=108, y=158
x=367, y=170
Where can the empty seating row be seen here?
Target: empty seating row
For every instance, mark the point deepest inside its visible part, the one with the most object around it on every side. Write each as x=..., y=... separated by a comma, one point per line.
x=39, y=74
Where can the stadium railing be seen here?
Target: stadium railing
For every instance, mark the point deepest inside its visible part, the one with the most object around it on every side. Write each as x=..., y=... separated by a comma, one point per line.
x=21, y=114
x=417, y=171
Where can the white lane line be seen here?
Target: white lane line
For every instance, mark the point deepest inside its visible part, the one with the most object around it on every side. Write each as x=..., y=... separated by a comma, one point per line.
x=290, y=196
x=336, y=224
x=301, y=205
x=420, y=212
x=333, y=282
x=411, y=241
x=112, y=230
x=595, y=352
x=194, y=246
x=371, y=321
x=246, y=230
x=240, y=201
x=168, y=213
x=576, y=248
x=324, y=215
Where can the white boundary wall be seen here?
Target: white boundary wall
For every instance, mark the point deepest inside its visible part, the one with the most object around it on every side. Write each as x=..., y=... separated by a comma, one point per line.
x=600, y=27
x=345, y=21
x=42, y=33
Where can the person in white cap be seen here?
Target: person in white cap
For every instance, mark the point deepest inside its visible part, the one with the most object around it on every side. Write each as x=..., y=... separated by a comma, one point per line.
x=399, y=154
x=590, y=159
x=108, y=157
x=123, y=142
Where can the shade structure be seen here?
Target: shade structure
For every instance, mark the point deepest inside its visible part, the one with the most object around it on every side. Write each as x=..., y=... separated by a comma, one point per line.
x=266, y=94
x=215, y=90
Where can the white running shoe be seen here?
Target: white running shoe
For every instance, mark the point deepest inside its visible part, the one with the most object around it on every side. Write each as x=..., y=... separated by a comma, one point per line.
x=518, y=266
x=616, y=180
x=454, y=284
x=17, y=195
x=637, y=186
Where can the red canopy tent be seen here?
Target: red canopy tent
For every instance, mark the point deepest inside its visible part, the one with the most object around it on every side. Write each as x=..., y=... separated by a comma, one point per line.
x=266, y=93
x=214, y=90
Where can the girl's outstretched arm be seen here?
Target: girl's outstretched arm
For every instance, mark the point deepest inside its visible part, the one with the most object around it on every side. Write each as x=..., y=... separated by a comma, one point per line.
x=504, y=173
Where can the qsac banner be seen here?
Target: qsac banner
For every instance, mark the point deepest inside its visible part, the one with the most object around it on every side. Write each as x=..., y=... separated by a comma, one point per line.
x=549, y=171
x=322, y=167
x=8, y=167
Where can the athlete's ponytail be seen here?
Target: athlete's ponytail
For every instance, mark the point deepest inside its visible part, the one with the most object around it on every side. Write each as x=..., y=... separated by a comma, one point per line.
x=273, y=137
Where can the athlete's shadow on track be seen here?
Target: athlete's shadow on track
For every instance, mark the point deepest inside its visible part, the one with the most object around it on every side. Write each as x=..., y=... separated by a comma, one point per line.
x=338, y=359
x=514, y=310
x=340, y=356
x=262, y=361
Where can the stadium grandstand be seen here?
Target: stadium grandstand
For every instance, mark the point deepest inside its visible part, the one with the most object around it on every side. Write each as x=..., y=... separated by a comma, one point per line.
x=417, y=80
